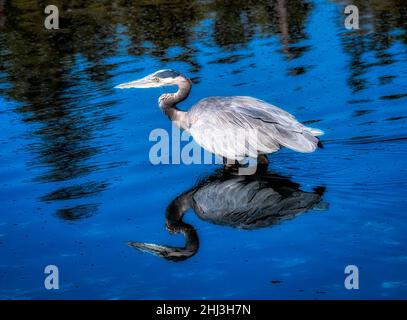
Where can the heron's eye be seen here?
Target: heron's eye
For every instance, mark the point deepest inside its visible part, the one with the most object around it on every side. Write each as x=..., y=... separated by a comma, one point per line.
x=156, y=79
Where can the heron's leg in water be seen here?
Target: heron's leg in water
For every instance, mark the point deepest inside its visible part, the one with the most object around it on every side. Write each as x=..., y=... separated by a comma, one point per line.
x=229, y=164
x=263, y=159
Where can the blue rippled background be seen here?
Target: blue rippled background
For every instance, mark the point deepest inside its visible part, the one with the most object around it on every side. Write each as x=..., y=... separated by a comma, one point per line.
x=76, y=182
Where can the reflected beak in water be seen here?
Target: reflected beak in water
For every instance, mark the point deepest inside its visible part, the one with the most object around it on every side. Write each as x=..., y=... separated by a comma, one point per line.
x=167, y=252
x=147, y=82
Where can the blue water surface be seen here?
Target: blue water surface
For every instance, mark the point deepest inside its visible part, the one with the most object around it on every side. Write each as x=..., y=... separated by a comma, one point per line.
x=76, y=181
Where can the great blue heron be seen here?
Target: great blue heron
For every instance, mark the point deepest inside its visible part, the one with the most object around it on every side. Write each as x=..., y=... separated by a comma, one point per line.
x=216, y=123
x=244, y=202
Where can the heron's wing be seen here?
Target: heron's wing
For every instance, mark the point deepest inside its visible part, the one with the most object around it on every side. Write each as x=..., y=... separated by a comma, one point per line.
x=218, y=124
x=251, y=204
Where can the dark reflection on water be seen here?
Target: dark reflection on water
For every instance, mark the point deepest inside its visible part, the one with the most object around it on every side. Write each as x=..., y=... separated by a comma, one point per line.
x=77, y=212
x=55, y=90
x=369, y=46
x=75, y=192
x=246, y=202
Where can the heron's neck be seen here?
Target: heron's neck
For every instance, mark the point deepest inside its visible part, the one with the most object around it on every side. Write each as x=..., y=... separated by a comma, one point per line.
x=174, y=224
x=168, y=102
x=174, y=215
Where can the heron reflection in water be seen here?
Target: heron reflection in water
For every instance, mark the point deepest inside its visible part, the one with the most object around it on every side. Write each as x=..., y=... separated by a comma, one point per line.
x=245, y=202
x=215, y=122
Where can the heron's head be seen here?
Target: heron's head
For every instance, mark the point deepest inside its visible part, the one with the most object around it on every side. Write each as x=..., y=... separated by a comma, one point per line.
x=157, y=79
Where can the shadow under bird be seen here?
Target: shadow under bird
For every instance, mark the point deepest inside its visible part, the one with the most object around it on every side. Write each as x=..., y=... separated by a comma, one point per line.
x=214, y=122
x=244, y=202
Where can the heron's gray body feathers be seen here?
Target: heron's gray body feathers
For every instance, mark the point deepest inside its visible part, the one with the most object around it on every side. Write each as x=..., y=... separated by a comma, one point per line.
x=217, y=123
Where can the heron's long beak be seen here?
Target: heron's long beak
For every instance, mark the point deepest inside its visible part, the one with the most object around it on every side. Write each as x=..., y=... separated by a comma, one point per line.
x=167, y=252
x=141, y=83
